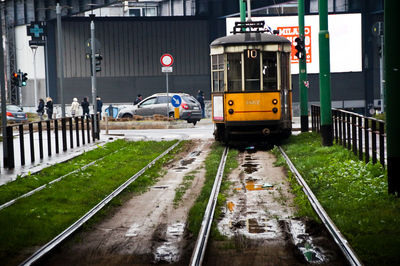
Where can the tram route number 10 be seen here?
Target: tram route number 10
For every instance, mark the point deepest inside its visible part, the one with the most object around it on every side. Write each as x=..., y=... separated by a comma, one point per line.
x=252, y=53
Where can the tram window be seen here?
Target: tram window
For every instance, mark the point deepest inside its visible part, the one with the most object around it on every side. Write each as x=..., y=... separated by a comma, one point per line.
x=269, y=71
x=234, y=67
x=217, y=62
x=252, y=69
x=285, y=71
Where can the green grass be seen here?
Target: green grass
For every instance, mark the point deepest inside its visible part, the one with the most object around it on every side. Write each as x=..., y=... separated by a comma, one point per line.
x=183, y=187
x=30, y=222
x=25, y=184
x=212, y=162
x=353, y=193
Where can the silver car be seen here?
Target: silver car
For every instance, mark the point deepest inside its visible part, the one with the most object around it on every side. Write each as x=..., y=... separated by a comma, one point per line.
x=15, y=113
x=189, y=110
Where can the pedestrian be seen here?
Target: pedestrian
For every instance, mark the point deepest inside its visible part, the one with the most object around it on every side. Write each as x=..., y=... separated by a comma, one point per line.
x=40, y=109
x=74, y=107
x=99, y=105
x=49, y=108
x=200, y=99
x=138, y=99
x=85, y=107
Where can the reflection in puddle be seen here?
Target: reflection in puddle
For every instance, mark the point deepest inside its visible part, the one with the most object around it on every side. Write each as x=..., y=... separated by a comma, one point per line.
x=254, y=227
x=180, y=169
x=250, y=168
x=304, y=242
x=187, y=162
x=251, y=186
x=230, y=206
x=169, y=251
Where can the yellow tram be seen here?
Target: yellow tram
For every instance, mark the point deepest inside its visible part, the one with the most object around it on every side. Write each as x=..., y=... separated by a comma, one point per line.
x=251, y=84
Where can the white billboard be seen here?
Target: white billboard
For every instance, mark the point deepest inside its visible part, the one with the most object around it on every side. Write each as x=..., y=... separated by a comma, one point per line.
x=345, y=39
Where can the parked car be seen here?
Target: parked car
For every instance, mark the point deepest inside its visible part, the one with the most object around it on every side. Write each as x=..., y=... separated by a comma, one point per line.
x=15, y=113
x=189, y=110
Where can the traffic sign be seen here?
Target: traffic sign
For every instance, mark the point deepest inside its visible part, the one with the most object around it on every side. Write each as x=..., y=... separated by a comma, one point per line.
x=166, y=69
x=166, y=60
x=176, y=100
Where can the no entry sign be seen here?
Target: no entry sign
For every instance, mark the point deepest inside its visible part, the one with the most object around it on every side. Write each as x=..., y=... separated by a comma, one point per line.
x=166, y=60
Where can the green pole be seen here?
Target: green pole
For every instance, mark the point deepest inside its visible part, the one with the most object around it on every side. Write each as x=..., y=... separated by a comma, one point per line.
x=325, y=75
x=303, y=73
x=392, y=85
x=242, y=6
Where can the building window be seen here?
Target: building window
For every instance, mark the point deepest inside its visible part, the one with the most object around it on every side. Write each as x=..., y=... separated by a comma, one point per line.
x=135, y=12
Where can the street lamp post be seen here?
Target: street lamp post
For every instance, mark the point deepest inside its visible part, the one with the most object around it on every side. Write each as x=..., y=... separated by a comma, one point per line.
x=60, y=58
x=34, y=50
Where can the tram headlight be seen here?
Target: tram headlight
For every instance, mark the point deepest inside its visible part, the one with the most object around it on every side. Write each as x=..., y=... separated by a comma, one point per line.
x=274, y=110
x=274, y=101
x=230, y=111
x=230, y=102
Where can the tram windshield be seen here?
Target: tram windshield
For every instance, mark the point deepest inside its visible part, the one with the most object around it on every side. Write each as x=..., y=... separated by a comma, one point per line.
x=269, y=71
x=234, y=67
x=252, y=70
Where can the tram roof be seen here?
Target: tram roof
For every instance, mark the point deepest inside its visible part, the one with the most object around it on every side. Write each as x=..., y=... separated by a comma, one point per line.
x=246, y=38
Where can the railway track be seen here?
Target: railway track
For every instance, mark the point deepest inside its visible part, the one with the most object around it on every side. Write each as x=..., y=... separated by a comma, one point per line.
x=201, y=243
x=41, y=252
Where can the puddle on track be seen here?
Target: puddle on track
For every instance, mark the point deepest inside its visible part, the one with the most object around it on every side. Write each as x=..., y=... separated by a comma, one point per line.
x=169, y=251
x=256, y=209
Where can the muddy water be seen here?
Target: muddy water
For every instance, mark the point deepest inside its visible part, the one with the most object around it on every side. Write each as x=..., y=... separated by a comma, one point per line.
x=260, y=224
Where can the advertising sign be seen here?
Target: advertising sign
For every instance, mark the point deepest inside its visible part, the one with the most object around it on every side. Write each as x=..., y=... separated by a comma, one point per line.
x=345, y=39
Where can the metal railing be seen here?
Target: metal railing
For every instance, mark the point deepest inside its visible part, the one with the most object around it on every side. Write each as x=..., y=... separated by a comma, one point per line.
x=365, y=136
x=79, y=128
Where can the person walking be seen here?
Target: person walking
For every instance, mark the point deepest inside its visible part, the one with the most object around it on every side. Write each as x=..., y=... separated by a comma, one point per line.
x=138, y=99
x=200, y=99
x=49, y=108
x=74, y=107
x=99, y=105
x=85, y=107
x=40, y=109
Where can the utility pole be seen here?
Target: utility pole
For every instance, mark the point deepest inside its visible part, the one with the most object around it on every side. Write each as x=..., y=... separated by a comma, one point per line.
x=392, y=84
x=303, y=83
x=325, y=75
x=242, y=7
x=3, y=97
x=34, y=50
x=60, y=51
x=93, y=62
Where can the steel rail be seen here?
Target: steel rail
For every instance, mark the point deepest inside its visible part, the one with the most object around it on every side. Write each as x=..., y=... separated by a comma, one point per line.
x=11, y=202
x=201, y=243
x=67, y=232
x=333, y=230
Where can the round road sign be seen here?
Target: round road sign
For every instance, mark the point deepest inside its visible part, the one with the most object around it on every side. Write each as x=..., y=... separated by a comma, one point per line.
x=166, y=60
x=176, y=100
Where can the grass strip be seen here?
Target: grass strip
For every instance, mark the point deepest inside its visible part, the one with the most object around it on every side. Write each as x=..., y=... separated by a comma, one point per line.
x=354, y=194
x=212, y=161
x=27, y=183
x=183, y=187
x=35, y=220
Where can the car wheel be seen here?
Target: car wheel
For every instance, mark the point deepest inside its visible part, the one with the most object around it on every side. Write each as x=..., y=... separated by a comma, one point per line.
x=171, y=114
x=127, y=115
x=194, y=122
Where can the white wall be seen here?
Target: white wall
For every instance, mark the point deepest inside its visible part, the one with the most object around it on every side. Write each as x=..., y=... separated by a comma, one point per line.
x=24, y=56
x=344, y=36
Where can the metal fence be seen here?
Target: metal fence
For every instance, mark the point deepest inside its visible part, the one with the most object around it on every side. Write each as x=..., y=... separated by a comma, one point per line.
x=365, y=136
x=73, y=131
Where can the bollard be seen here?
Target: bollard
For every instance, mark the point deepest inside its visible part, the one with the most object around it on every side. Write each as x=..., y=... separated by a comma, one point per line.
x=77, y=130
x=106, y=117
x=71, y=132
x=40, y=140
x=21, y=143
x=31, y=142
x=48, y=128
x=10, y=148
